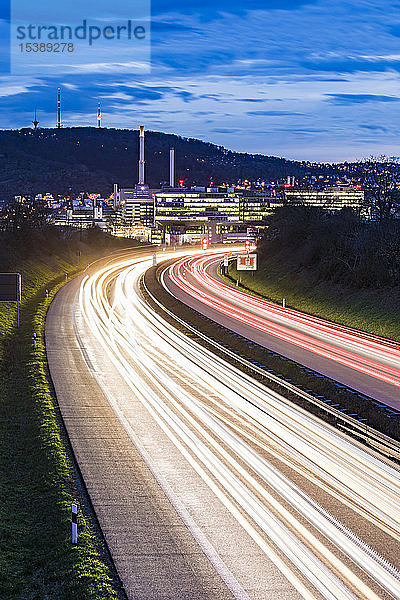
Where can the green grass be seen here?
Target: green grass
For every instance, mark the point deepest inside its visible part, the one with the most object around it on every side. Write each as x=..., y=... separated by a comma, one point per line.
x=372, y=310
x=37, y=481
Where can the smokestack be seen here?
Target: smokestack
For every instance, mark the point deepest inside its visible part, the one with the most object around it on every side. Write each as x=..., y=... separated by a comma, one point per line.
x=98, y=116
x=172, y=167
x=115, y=196
x=59, y=108
x=141, y=155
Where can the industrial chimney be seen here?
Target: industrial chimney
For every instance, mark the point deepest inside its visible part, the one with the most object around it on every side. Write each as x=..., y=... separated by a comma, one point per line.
x=172, y=167
x=141, y=155
x=98, y=115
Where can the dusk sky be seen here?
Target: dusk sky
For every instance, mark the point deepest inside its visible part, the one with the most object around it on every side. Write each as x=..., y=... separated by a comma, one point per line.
x=305, y=80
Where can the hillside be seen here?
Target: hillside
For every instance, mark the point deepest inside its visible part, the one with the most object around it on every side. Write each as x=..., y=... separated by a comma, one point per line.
x=78, y=159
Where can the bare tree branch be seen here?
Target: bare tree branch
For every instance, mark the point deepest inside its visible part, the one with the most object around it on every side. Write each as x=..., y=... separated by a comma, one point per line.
x=380, y=177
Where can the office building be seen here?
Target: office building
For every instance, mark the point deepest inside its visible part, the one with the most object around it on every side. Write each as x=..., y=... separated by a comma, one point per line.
x=329, y=198
x=256, y=207
x=198, y=206
x=136, y=206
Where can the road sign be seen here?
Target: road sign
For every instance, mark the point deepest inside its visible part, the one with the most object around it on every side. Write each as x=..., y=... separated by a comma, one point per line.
x=246, y=262
x=252, y=232
x=10, y=287
x=226, y=260
x=247, y=245
x=204, y=243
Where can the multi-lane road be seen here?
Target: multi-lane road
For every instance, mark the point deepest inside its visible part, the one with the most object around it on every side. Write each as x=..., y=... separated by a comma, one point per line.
x=282, y=505
x=364, y=362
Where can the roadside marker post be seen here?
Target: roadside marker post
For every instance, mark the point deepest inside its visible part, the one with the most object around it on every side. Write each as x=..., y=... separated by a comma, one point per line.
x=34, y=340
x=284, y=302
x=47, y=293
x=74, y=524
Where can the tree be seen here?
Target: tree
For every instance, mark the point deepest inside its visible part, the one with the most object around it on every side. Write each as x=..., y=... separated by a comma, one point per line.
x=337, y=246
x=22, y=218
x=380, y=177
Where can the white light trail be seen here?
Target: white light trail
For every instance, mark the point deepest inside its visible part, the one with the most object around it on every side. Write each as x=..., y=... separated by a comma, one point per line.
x=223, y=422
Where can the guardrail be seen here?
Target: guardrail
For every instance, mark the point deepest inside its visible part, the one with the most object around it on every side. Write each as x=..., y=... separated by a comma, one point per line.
x=378, y=441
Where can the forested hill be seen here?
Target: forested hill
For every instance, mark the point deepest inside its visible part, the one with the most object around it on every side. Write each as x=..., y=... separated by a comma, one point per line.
x=72, y=160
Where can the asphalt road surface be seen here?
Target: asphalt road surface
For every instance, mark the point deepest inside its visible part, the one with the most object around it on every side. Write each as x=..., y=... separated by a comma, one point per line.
x=206, y=483
x=363, y=362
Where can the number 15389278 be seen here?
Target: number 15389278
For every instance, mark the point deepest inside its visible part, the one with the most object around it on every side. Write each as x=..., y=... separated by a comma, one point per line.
x=58, y=47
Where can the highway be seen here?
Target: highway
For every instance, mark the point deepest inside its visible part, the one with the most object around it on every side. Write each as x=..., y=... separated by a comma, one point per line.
x=364, y=362
x=283, y=505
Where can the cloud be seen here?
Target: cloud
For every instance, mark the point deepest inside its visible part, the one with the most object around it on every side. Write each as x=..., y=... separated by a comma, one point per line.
x=312, y=131
x=226, y=130
x=378, y=128
x=215, y=63
x=274, y=113
x=159, y=26
x=250, y=99
x=345, y=99
x=70, y=86
x=11, y=87
x=139, y=94
x=394, y=30
x=351, y=65
x=210, y=9
x=186, y=96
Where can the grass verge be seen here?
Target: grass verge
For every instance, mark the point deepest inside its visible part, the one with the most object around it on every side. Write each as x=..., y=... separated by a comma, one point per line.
x=372, y=310
x=38, y=478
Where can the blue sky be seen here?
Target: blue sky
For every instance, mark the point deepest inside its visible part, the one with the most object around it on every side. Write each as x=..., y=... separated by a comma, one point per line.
x=314, y=80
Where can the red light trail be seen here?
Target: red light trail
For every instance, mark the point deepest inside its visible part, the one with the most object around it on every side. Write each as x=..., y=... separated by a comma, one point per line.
x=374, y=356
